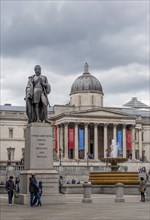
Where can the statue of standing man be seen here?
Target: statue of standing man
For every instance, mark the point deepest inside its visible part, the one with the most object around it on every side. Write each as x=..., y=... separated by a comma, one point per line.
x=114, y=149
x=37, y=91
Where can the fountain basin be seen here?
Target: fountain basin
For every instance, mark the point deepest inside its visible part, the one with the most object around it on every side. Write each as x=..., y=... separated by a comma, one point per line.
x=114, y=162
x=111, y=178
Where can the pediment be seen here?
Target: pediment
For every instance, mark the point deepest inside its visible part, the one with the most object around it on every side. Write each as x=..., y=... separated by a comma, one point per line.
x=102, y=113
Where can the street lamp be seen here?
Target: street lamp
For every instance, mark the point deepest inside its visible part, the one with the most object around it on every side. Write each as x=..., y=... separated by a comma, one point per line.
x=9, y=155
x=60, y=151
x=87, y=155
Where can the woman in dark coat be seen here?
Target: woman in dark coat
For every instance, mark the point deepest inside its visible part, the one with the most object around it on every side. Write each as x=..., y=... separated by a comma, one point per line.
x=142, y=189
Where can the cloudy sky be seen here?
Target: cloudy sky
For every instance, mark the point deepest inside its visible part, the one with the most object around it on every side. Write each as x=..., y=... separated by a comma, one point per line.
x=61, y=36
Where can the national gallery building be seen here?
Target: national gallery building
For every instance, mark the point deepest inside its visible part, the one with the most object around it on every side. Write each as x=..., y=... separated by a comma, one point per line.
x=84, y=128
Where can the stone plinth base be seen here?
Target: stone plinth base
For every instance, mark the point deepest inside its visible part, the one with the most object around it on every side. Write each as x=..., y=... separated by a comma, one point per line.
x=119, y=200
x=49, y=179
x=24, y=199
x=87, y=200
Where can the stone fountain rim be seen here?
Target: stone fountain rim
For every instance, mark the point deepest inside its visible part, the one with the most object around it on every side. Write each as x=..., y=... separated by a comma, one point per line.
x=117, y=159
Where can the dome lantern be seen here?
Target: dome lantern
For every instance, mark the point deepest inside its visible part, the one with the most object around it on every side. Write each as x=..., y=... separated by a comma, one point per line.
x=86, y=68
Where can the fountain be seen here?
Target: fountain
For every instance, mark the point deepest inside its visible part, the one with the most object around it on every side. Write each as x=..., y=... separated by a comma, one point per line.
x=115, y=175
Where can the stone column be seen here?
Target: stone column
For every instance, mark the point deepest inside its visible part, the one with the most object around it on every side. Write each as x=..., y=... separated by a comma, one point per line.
x=76, y=142
x=66, y=142
x=58, y=138
x=105, y=140
x=140, y=143
x=61, y=139
x=133, y=142
x=96, y=141
x=114, y=132
x=119, y=192
x=124, y=141
x=86, y=141
x=87, y=193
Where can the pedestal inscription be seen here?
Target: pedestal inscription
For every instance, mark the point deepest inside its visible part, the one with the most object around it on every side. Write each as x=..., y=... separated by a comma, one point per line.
x=38, y=147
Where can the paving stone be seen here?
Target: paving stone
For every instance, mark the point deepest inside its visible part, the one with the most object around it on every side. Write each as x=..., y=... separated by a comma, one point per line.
x=103, y=208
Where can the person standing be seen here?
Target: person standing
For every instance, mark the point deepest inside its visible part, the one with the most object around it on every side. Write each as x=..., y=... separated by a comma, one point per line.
x=60, y=184
x=33, y=189
x=17, y=184
x=39, y=193
x=142, y=188
x=10, y=187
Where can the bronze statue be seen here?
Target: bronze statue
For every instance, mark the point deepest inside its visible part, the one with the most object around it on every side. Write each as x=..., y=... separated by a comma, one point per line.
x=36, y=97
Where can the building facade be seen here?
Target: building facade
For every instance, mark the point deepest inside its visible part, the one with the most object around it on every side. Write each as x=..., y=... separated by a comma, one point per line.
x=83, y=129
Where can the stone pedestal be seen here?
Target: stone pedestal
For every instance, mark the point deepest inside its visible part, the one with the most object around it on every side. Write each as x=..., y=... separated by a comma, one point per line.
x=119, y=192
x=39, y=160
x=87, y=193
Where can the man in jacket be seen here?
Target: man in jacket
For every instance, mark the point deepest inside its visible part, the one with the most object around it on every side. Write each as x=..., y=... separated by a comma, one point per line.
x=33, y=189
x=10, y=187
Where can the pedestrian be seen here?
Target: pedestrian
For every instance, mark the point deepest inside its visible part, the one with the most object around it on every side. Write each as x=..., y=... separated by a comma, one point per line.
x=60, y=184
x=73, y=181
x=10, y=187
x=39, y=193
x=142, y=189
x=17, y=184
x=33, y=189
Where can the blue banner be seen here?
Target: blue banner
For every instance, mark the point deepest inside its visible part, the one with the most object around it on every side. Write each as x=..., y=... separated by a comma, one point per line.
x=81, y=139
x=119, y=140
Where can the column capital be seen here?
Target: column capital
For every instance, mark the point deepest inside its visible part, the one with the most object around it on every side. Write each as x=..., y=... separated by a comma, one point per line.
x=66, y=123
x=133, y=126
x=124, y=125
x=95, y=124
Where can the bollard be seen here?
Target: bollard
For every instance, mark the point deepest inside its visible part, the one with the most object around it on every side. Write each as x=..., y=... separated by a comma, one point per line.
x=87, y=193
x=148, y=191
x=119, y=192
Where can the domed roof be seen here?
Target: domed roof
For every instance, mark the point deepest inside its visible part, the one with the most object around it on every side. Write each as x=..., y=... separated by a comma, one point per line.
x=86, y=83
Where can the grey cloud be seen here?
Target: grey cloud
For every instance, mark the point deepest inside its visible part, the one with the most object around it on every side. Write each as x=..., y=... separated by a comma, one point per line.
x=125, y=83
x=63, y=37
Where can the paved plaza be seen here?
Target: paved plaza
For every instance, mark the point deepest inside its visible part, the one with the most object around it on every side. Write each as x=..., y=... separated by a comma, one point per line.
x=102, y=207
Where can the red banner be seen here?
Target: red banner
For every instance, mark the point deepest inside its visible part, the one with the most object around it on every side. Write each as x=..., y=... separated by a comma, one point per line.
x=56, y=144
x=128, y=140
x=71, y=138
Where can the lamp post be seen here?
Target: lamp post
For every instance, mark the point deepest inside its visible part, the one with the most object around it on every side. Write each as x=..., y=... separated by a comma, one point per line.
x=87, y=154
x=9, y=155
x=60, y=151
x=9, y=168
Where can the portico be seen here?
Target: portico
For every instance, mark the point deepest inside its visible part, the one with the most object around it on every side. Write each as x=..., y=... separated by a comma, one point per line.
x=82, y=137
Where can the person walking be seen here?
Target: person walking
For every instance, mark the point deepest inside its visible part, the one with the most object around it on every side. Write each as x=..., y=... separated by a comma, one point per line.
x=33, y=189
x=10, y=187
x=39, y=193
x=142, y=188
